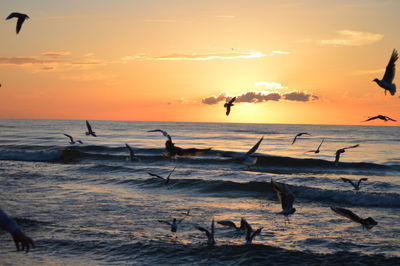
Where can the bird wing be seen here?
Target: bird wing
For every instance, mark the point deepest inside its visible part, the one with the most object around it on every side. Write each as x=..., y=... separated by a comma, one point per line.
x=228, y=109
x=89, y=127
x=391, y=119
x=232, y=100
x=372, y=118
x=254, y=148
x=320, y=144
x=256, y=233
x=203, y=230
x=351, y=147
x=347, y=213
x=337, y=157
x=69, y=136
x=13, y=15
x=349, y=181
x=247, y=227
x=227, y=223
x=295, y=137
x=20, y=21
x=171, y=172
x=287, y=198
x=391, y=68
x=360, y=180
x=156, y=175
x=164, y=222
x=163, y=132
x=132, y=153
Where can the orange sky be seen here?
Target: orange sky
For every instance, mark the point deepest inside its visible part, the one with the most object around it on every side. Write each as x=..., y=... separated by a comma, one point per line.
x=159, y=60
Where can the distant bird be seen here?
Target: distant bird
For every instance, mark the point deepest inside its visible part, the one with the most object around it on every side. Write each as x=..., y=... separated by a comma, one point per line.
x=232, y=224
x=299, y=135
x=367, y=223
x=250, y=234
x=72, y=139
x=382, y=117
x=248, y=158
x=21, y=18
x=338, y=152
x=285, y=197
x=167, y=180
x=132, y=155
x=174, y=224
x=90, y=131
x=228, y=105
x=163, y=132
x=355, y=184
x=172, y=151
x=317, y=150
x=387, y=81
x=210, y=235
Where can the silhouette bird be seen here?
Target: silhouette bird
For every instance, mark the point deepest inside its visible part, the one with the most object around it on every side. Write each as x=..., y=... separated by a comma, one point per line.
x=90, y=131
x=338, y=152
x=250, y=234
x=228, y=105
x=298, y=135
x=167, y=180
x=319, y=146
x=285, y=197
x=210, y=235
x=248, y=158
x=174, y=224
x=367, y=223
x=132, y=155
x=355, y=184
x=72, y=139
x=21, y=18
x=232, y=224
x=387, y=81
x=382, y=117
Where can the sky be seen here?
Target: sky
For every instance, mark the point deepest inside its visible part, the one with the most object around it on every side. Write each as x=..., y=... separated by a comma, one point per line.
x=301, y=62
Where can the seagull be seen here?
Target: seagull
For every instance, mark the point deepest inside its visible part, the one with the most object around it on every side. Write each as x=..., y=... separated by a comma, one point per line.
x=132, y=155
x=248, y=158
x=317, y=150
x=367, y=223
x=173, y=151
x=228, y=105
x=232, y=224
x=356, y=185
x=338, y=152
x=285, y=197
x=210, y=235
x=174, y=224
x=163, y=132
x=250, y=234
x=382, y=117
x=72, y=139
x=167, y=180
x=387, y=81
x=298, y=135
x=90, y=131
x=21, y=18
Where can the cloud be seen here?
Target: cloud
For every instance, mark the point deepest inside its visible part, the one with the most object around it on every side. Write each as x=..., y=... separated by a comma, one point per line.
x=262, y=96
x=56, y=54
x=199, y=57
x=270, y=85
x=280, y=52
x=353, y=38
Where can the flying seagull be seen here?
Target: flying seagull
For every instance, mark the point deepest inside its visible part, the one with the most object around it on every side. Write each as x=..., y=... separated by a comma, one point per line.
x=355, y=184
x=248, y=158
x=387, y=81
x=228, y=105
x=210, y=235
x=367, y=223
x=317, y=150
x=162, y=131
x=250, y=234
x=285, y=197
x=174, y=224
x=90, y=131
x=132, y=155
x=338, y=152
x=232, y=224
x=299, y=135
x=72, y=139
x=382, y=117
x=21, y=18
x=167, y=180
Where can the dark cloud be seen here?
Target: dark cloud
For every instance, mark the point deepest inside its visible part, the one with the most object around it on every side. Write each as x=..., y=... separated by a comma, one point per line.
x=214, y=99
x=299, y=96
x=257, y=97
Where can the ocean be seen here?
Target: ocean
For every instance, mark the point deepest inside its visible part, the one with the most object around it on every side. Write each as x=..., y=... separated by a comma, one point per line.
x=88, y=204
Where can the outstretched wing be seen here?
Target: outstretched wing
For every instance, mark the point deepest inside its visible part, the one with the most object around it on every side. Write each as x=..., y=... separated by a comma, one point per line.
x=20, y=21
x=89, y=127
x=320, y=144
x=13, y=15
x=228, y=109
x=360, y=180
x=347, y=213
x=391, y=68
x=391, y=119
x=171, y=172
x=351, y=147
x=131, y=152
x=164, y=222
x=69, y=136
x=294, y=139
x=156, y=175
x=232, y=100
x=227, y=223
x=254, y=148
x=163, y=132
x=372, y=118
x=203, y=230
x=348, y=181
